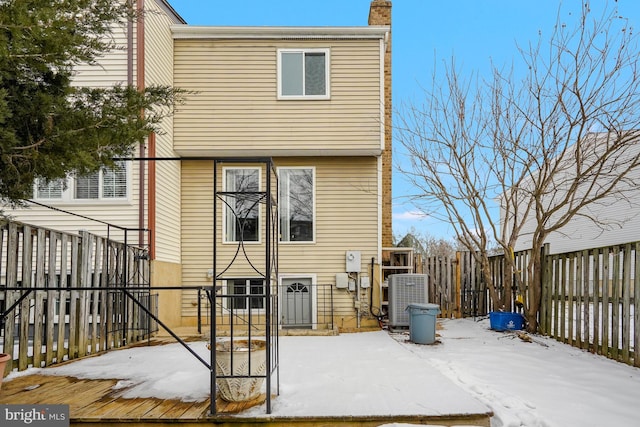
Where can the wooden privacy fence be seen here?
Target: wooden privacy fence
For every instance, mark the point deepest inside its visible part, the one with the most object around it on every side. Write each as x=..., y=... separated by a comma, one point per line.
x=588, y=297
x=443, y=286
x=64, y=296
x=456, y=285
x=589, y=300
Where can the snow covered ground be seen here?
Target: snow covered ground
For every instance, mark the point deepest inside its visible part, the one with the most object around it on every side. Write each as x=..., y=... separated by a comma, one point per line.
x=543, y=383
x=471, y=369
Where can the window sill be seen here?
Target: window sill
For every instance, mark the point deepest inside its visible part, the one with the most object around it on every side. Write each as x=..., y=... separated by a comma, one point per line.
x=83, y=202
x=304, y=98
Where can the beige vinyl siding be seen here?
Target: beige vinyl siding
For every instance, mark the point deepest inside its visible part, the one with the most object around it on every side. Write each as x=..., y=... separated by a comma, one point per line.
x=235, y=108
x=346, y=207
x=111, y=68
x=158, y=70
x=196, y=228
x=346, y=219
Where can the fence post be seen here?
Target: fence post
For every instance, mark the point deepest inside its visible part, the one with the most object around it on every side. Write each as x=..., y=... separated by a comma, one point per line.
x=11, y=296
x=38, y=298
x=545, y=282
x=626, y=307
x=636, y=314
x=458, y=278
x=25, y=305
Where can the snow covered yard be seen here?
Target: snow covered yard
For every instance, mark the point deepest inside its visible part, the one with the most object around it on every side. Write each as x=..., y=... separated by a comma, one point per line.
x=472, y=369
x=543, y=383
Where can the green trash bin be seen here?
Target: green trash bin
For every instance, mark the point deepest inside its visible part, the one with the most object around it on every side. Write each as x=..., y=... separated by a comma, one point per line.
x=422, y=322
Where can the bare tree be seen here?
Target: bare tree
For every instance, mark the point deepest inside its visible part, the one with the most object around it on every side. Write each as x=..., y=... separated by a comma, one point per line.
x=506, y=158
x=427, y=245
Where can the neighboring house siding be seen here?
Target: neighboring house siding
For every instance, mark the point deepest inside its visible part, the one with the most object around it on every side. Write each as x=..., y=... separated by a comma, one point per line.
x=613, y=220
x=111, y=69
x=120, y=213
x=346, y=217
x=236, y=100
x=582, y=233
x=620, y=223
x=159, y=70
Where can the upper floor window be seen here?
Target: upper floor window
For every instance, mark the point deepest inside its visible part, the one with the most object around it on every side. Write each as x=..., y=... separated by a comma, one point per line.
x=242, y=204
x=303, y=73
x=296, y=204
x=106, y=184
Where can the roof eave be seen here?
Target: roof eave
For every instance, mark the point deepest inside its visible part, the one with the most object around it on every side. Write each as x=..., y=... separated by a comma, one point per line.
x=227, y=32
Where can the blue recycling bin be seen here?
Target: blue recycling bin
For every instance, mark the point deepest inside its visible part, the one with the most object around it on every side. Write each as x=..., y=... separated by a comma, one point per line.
x=506, y=321
x=422, y=322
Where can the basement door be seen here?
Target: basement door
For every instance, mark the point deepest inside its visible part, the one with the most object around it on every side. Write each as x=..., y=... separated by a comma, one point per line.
x=296, y=302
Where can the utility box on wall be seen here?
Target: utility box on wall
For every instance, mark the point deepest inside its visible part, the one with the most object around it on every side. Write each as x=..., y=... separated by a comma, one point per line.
x=342, y=280
x=353, y=261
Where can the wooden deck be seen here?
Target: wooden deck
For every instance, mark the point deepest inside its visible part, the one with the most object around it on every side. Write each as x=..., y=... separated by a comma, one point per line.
x=96, y=399
x=96, y=403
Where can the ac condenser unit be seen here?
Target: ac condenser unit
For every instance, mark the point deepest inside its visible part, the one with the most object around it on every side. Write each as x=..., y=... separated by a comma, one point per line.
x=405, y=289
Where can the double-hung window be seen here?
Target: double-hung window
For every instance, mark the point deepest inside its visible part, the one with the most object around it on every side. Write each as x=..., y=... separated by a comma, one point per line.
x=49, y=190
x=240, y=291
x=296, y=204
x=242, y=204
x=107, y=184
x=114, y=182
x=303, y=74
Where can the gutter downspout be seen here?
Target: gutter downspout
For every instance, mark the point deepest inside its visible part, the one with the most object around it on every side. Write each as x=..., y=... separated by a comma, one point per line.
x=140, y=83
x=130, y=50
x=152, y=196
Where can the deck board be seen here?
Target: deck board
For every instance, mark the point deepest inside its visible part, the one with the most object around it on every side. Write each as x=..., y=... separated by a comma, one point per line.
x=33, y=389
x=136, y=408
x=95, y=402
x=92, y=410
x=163, y=410
x=96, y=399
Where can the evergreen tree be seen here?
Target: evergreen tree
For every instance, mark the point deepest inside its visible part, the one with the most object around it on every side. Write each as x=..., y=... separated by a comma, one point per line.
x=48, y=127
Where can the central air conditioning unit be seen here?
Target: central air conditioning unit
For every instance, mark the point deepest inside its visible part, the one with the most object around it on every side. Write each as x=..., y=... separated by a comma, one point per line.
x=405, y=289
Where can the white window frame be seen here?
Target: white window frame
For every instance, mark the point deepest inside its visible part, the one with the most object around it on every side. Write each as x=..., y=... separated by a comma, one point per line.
x=225, y=212
x=327, y=74
x=228, y=302
x=68, y=193
x=281, y=205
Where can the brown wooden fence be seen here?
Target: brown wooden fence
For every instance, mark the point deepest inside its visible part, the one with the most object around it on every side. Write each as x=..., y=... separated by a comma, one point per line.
x=61, y=295
x=442, y=284
x=588, y=297
x=456, y=285
x=589, y=300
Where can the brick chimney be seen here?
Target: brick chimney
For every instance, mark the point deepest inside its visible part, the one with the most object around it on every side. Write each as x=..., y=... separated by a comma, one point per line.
x=380, y=14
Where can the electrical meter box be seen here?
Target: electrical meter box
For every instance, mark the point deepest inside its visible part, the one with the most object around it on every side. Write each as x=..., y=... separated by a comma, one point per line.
x=353, y=261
